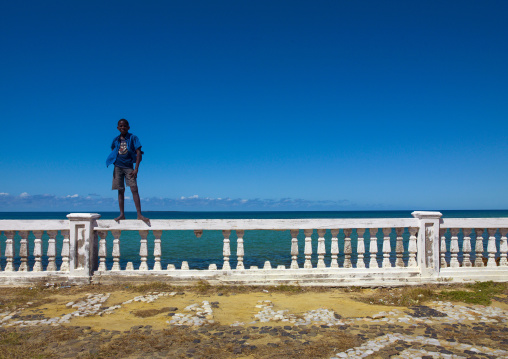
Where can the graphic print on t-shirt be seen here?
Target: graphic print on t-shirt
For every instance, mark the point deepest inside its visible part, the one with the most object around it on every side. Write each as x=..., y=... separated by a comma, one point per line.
x=123, y=148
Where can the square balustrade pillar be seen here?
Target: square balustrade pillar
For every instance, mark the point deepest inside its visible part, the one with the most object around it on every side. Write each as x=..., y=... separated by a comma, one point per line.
x=428, y=243
x=83, y=256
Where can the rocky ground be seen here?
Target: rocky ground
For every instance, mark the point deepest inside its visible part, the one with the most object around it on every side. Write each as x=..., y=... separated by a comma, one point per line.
x=204, y=322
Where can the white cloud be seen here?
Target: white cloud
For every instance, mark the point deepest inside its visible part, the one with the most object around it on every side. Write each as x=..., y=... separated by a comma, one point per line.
x=3, y=194
x=72, y=196
x=24, y=194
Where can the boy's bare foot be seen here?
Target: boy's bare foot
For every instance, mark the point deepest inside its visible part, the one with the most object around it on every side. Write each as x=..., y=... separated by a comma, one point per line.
x=144, y=219
x=119, y=218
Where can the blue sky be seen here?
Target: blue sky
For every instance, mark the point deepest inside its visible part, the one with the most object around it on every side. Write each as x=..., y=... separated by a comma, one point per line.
x=256, y=105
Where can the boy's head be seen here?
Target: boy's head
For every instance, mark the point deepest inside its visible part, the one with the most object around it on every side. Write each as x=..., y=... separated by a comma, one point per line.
x=123, y=126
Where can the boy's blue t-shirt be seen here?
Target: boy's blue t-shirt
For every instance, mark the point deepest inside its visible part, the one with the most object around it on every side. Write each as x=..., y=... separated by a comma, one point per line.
x=124, y=151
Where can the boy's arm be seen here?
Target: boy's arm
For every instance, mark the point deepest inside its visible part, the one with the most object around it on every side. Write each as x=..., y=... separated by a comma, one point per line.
x=138, y=160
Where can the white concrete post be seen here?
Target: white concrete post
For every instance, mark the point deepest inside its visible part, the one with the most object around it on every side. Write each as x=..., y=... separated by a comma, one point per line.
x=239, y=249
x=226, y=250
x=347, y=247
x=294, y=248
x=308, y=248
x=386, y=247
x=491, y=247
x=143, y=250
x=334, y=250
x=157, y=250
x=503, y=247
x=428, y=242
x=51, y=250
x=466, y=247
x=9, y=250
x=83, y=251
x=360, y=248
x=321, y=251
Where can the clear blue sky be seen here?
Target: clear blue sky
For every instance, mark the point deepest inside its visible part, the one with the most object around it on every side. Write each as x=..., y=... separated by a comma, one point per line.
x=256, y=104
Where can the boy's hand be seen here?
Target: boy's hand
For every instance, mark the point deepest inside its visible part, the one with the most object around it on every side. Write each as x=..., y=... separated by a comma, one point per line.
x=134, y=174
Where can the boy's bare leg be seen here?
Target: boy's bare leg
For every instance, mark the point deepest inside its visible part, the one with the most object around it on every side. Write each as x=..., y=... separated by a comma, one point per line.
x=137, y=202
x=121, y=200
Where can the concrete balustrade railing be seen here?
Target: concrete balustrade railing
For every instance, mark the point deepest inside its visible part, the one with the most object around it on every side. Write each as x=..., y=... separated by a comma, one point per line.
x=380, y=251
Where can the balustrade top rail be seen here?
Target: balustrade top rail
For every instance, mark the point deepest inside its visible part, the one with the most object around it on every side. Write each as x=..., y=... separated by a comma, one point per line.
x=33, y=225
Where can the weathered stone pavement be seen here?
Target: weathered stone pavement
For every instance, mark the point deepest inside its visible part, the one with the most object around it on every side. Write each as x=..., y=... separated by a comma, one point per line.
x=271, y=329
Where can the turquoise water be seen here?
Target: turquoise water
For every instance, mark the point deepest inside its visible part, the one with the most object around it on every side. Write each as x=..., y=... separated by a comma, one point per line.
x=260, y=246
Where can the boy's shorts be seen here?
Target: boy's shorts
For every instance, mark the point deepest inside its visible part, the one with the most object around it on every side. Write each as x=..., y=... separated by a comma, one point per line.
x=120, y=175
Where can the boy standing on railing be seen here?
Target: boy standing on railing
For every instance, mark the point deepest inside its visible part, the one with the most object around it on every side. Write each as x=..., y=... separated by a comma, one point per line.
x=126, y=150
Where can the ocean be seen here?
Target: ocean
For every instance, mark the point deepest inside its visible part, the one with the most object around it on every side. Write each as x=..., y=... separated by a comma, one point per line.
x=260, y=246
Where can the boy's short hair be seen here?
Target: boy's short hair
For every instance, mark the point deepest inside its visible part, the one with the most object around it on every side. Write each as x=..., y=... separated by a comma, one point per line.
x=123, y=119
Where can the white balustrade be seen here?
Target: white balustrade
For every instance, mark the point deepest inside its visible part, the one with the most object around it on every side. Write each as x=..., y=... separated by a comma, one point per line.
x=308, y=248
x=334, y=248
x=503, y=247
x=37, y=251
x=347, y=247
x=412, y=248
x=143, y=250
x=102, y=250
x=466, y=247
x=9, y=250
x=51, y=250
x=116, y=250
x=491, y=247
x=23, y=251
x=454, y=248
x=294, y=248
x=479, y=247
x=386, y=247
x=321, y=251
x=157, y=250
x=373, y=263
x=226, y=250
x=360, y=248
x=239, y=249
x=442, y=247
x=399, y=248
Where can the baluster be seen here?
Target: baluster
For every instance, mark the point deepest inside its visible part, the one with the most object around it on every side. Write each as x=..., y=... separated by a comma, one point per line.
x=157, y=250
x=294, y=248
x=143, y=250
x=503, y=247
x=466, y=247
x=360, y=248
x=334, y=250
x=37, y=251
x=442, y=249
x=373, y=263
x=386, y=247
x=308, y=248
x=116, y=250
x=102, y=250
x=239, y=249
x=226, y=251
x=321, y=251
x=412, y=248
x=9, y=250
x=454, y=248
x=66, y=250
x=491, y=247
x=399, y=248
x=23, y=251
x=478, y=249
x=51, y=250
x=347, y=247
